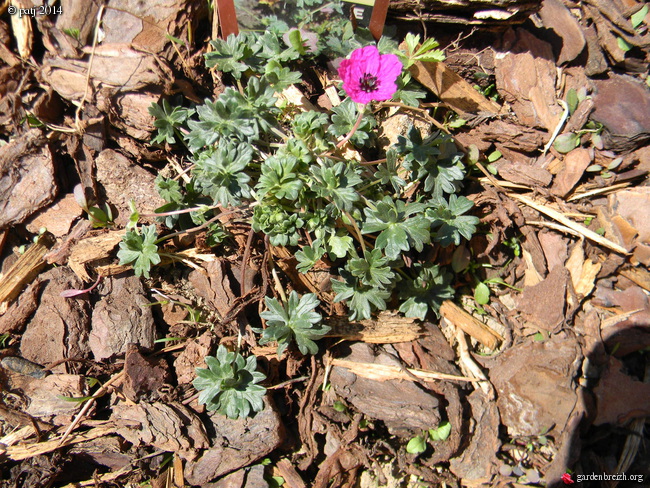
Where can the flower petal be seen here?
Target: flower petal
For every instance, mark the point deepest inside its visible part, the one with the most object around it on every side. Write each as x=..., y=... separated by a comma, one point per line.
x=390, y=68
x=369, y=60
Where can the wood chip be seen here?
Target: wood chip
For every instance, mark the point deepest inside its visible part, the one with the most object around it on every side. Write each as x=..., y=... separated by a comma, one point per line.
x=470, y=325
x=18, y=453
x=386, y=372
x=555, y=215
x=25, y=269
x=388, y=328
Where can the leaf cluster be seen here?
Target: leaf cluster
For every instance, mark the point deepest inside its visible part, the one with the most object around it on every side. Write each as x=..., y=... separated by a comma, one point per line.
x=296, y=320
x=229, y=384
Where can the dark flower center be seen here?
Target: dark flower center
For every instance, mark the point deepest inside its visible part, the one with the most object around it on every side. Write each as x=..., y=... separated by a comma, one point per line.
x=369, y=83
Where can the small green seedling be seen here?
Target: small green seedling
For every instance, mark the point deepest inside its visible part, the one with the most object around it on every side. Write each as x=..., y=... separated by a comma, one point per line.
x=97, y=216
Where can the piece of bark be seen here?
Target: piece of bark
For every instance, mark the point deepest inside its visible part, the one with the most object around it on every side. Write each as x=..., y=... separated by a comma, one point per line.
x=289, y=473
x=27, y=181
x=534, y=384
x=105, y=451
x=143, y=377
x=470, y=325
x=554, y=246
x=386, y=329
x=557, y=17
x=575, y=164
x=121, y=317
x=130, y=113
x=525, y=76
x=116, y=67
x=596, y=62
x=512, y=136
x=403, y=406
x=58, y=329
x=123, y=181
x=523, y=174
x=147, y=26
x=544, y=305
x=453, y=90
x=19, y=312
x=45, y=394
x=193, y=356
x=214, y=285
x=25, y=269
x=168, y=426
x=249, y=477
x=56, y=218
x=622, y=105
x=94, y=249
x=237, y=443
x=580, y=116
x=477, y=462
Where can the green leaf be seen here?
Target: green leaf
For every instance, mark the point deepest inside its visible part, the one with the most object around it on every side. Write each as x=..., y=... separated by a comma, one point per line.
x=297, y=42
x=566, y=143
x=441, y=433
x=280, y=178
x=493, y=156
x=623, y=44
x=639, y=17
x=308, y=256
x=280, y=225
x=230, y=384
x=336, y=183
x=448, y=221
x=231, y=55
x=372, y=270
x=572, y=100
x=167, y=121
x=387, y=173
x=426, y=292
x=297, y=320
x=417, y=445
x=221, y=173
x=340, y=246
x=482, y=294
x=362, y=300
x=344, y=117
x=339, y=406
x=435, y=160
x=168, y=189
x=140, y=249
x=74, y=399
x=398, y=231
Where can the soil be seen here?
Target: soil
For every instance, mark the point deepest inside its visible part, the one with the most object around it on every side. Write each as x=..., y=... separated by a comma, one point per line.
x=546, y=382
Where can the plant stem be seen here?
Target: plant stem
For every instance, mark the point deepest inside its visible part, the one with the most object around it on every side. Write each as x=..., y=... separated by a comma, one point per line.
x=353, y=130
x=357, y=230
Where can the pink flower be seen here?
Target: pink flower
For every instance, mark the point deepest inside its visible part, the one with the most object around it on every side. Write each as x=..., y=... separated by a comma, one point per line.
x=368, y=75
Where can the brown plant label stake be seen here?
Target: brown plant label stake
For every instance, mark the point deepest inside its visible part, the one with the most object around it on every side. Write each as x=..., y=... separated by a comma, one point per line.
x=227, y=18
x=369, y=13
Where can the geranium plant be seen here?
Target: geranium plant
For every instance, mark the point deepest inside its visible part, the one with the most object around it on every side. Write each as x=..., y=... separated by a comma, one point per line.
x=284, y=168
